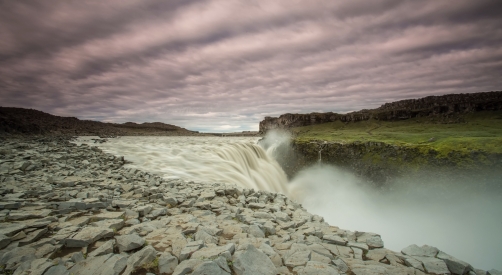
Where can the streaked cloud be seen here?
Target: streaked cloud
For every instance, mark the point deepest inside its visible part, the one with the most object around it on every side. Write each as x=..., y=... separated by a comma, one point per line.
x=224, y=65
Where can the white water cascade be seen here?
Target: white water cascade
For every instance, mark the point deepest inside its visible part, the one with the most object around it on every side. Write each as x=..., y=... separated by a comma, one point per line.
x=230, y=160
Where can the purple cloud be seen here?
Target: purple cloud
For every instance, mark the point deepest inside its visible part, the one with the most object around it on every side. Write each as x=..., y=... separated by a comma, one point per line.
x=224, y=65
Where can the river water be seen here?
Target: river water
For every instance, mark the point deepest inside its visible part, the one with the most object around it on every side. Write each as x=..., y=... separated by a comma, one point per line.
x=463, y=222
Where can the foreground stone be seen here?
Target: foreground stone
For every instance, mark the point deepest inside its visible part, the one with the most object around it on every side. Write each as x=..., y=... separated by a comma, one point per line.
x=76, y=210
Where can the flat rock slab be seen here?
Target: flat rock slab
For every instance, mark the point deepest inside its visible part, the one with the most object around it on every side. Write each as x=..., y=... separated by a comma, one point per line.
x=111, y=264
x=115, y=224
x=10, y=205
x=214, y=252
x=108, y=216
x=298, y=258
x=209, y=268
x=316, y=268
x=18, y=215
x=57, y=270
x=423, y=251
x=434, y=265
x=17, y=256
x=88, y=235
x=103, y=249
x=33, y=236
x=10, y=229
x=334, y=239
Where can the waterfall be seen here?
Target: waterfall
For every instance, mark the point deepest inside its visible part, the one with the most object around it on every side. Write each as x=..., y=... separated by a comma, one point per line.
x=238, y=161
x=320, y=147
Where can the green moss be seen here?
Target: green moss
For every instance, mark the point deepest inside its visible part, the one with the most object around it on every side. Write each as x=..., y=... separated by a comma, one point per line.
x=481, y=131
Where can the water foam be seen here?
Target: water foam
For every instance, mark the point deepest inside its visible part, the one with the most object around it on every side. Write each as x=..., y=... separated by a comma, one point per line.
x=230, y=160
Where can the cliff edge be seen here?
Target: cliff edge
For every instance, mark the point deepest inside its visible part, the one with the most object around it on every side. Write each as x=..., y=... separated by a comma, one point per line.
x=446, y=108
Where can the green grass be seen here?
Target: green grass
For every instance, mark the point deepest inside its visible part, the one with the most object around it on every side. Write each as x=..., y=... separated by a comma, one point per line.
x=480, y=131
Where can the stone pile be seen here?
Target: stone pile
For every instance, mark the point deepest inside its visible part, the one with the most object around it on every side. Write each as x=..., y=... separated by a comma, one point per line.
x=69, y=209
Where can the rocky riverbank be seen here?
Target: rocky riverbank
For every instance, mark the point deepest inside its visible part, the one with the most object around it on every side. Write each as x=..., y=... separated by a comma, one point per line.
x=73, y=209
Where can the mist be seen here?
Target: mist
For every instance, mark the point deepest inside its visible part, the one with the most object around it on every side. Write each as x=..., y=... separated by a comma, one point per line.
x=459, y=218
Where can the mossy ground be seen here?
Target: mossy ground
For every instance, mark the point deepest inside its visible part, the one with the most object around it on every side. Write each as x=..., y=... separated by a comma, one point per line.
x=481, y=131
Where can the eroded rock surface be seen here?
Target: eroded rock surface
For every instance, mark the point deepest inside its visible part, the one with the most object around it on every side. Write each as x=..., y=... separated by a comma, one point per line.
x=69, y=209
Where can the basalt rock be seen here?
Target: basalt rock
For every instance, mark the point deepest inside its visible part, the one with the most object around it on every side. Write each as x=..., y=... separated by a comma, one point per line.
x=445, y=108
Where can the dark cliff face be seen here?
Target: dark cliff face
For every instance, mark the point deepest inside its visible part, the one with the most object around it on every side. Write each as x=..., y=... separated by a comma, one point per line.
x=446, y=107
x=33, y=122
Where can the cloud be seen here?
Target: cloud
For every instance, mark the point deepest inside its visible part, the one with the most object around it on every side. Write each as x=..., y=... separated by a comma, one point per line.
x=223, y=65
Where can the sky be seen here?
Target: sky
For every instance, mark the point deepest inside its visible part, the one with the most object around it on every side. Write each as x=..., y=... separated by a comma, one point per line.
x=222, y=66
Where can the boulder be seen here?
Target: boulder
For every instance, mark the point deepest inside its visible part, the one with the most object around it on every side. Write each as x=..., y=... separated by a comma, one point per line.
x=433, y=265
x=129, y=242
x=455, y=265
x=251, y=261
x=144, y=256
x=167, y=263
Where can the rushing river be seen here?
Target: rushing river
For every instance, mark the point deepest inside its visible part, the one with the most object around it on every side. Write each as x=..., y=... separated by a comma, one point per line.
x=464, y=223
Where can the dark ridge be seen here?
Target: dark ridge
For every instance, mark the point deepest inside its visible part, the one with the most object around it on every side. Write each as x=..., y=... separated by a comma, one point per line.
x=20, y=121
x=446, y=107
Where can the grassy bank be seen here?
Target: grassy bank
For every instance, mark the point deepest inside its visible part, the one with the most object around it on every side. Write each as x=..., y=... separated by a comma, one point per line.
x=480, y=131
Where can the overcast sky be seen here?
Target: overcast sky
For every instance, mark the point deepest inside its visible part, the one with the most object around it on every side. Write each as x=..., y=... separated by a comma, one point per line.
x=224, y=65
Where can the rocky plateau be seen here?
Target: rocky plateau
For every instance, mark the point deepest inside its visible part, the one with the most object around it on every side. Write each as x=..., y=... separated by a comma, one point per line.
x=73, y=209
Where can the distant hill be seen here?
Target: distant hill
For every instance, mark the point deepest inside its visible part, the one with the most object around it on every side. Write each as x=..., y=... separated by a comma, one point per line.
x=445, y=109
x=34, y=122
